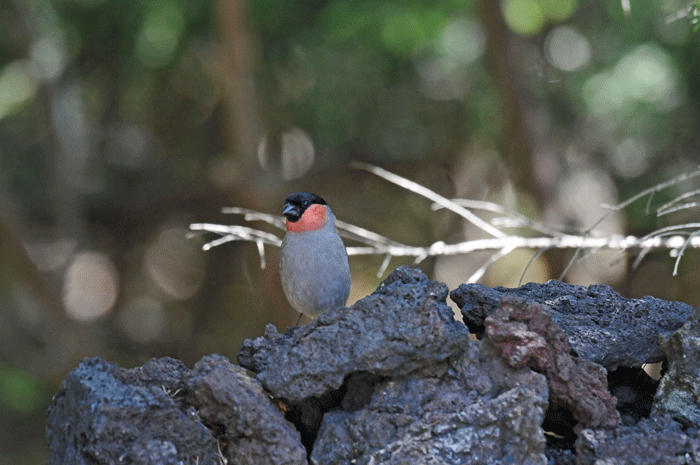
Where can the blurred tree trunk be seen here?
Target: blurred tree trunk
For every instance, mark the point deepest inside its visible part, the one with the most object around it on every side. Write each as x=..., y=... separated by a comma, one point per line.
x=516, y=145
x=243, y=128
x=241, y=122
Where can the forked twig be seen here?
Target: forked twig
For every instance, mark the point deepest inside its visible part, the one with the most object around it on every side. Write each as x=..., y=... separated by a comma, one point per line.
x=676, y=238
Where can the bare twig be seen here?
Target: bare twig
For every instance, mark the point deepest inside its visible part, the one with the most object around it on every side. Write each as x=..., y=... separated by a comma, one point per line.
x=512, y=219
x=493, y=259
x=427, y=193
x=653, y=190
x=252, y=215
x=671, y=207
x=238, y=233
x=363, y=235
x=676, y=238
x=534, y=257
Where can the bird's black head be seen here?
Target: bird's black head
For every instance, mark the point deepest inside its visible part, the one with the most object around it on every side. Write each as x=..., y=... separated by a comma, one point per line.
x=296, y=204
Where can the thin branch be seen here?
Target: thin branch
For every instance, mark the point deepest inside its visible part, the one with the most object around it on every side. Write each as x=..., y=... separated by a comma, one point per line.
x=252, y=215
x=520, y=220
x=239, y=233
x=682, y=251
x=534, y=257
x=427, y=193
x=671, y=207
x=650, y=192
x=492, y=259
x=364, y=235
x=678, y=208
x=353, y=232
x=653, y=190
x=676, y=238
x=572, y=260
x=384, y=266
x=678, y=229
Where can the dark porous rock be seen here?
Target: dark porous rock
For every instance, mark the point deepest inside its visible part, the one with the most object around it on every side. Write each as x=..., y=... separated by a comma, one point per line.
x=602, y=326
x=471, y=409
x=525, y=335
x=403, y=326
x=254, y=354
x=651, y=442
x=104, y=414
x=394, y=379
x=251, y=425
x=679, y=391
x=559, y=454
x=161, y=413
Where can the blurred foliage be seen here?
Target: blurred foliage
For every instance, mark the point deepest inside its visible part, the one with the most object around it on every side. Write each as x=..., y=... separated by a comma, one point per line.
x=121, y=122
x=20, y=391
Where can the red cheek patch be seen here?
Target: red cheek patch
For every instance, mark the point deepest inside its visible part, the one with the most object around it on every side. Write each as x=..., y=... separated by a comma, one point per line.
x=313, y=218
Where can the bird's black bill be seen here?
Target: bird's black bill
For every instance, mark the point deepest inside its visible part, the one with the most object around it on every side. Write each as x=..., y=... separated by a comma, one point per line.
x=292, y=212
x=296, y=204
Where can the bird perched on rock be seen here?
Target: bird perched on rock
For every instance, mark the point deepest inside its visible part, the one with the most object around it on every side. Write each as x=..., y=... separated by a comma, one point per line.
x=313, y=261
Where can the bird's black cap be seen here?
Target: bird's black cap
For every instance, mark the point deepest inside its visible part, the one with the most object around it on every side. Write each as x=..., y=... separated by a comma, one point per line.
x=296, y=204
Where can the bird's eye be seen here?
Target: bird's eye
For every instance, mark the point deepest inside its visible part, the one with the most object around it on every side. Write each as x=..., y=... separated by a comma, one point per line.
x=306, y=203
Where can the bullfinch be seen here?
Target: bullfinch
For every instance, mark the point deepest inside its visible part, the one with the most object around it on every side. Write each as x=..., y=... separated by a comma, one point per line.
x=313, y=261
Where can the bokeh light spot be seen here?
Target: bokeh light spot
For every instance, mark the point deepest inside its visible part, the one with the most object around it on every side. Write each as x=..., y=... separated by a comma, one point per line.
x=48, y=57
x=16, y=87
x=523, y=16
x=463, y=40
x=91, y=286
x=402, y=32
x=567, y=49
x=648, y=71
x=631, y=158
x=297, y=154
x=558, y=10
x=647, y=75
x=597, y=188
x=19, y=390
x=142, y=319
x=160, y=35
x=176, y=263
x=441, y=78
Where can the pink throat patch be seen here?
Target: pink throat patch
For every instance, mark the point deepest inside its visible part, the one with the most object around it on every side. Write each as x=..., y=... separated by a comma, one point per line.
x=314, y=218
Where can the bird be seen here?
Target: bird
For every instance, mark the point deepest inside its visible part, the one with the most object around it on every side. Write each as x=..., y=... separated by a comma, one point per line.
x=314, y=267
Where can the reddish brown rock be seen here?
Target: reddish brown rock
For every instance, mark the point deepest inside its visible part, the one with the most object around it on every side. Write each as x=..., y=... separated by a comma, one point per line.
x=526, y=335
x=602, y=326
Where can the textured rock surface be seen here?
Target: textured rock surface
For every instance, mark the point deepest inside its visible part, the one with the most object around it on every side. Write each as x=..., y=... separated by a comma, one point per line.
x=679, y=391
x=651, y=442
x=473, y=409
x=403, y=326
x=104, y=414
x=602, y=326
x=525, y=335
x=557, y=456
x=391, y=380
x=253, y=426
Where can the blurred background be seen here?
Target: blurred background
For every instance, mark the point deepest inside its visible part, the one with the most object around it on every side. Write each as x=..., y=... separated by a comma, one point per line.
x=122, y=122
